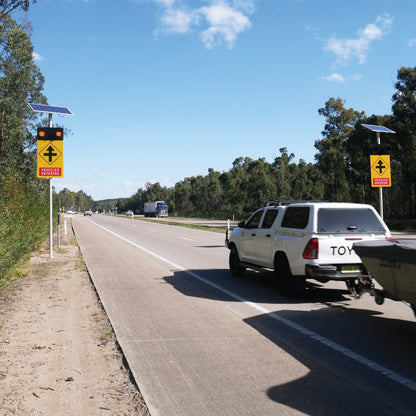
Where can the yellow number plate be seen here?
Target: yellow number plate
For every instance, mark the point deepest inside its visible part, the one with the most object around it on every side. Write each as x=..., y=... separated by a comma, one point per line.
x=350, y=268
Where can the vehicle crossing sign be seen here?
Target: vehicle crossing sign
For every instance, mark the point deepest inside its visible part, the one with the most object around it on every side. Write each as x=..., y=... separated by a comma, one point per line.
x=50, y=153
x=380, y=170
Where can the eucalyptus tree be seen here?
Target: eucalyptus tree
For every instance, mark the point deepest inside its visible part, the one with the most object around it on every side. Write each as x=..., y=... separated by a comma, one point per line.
x=332, y=157
x=282, y=176
x=306, y=181
x=20, y=82
x=8, y=6
x=404, y=111
x=214, y=192
x=235, y=183
x=182, y=195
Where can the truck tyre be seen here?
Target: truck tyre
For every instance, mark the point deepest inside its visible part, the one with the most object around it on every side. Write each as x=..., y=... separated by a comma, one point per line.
x=283, y=274
x=298, y=285
x=234, y=261
x=287, y=284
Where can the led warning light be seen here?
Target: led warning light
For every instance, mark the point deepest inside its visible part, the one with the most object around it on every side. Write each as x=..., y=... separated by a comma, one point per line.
x=50, y=133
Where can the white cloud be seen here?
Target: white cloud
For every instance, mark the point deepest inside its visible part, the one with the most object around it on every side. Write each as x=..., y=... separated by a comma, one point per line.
x=412, y=42
x=37, y=57
x=225, y=23
x=178, y=21
x=334, y=78
x=347, y=49
x=221, y=21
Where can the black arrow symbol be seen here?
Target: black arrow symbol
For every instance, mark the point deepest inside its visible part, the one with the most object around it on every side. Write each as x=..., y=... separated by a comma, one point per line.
x=50, y=153
x=380, y=166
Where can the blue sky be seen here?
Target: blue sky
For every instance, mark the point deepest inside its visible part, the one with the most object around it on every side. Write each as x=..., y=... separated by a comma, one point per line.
x=166, y=89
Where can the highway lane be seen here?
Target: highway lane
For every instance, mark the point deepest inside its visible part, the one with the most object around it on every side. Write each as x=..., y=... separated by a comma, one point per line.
x=201, y=342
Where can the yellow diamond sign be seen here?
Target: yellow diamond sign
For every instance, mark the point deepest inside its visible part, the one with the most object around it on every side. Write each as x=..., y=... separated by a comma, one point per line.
x=380, y=170
x=50, y=158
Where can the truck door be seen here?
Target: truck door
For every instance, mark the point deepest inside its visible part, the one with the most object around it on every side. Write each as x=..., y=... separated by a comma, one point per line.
x=264, y=239
x=248, y=236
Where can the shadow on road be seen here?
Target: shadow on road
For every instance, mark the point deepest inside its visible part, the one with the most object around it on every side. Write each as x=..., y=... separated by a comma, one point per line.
x=325, y=391
x=254, y=287
x=389, y=342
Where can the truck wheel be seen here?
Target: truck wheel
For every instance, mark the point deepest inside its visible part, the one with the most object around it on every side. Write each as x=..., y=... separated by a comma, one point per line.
x=297, y=286
x=287, y=284
x=234, y=261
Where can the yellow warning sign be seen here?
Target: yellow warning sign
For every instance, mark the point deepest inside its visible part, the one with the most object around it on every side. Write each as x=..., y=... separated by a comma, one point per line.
x=380, y=170
x=50, y=159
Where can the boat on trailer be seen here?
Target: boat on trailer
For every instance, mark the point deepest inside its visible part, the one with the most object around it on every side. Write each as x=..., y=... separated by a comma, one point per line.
x=393, y=265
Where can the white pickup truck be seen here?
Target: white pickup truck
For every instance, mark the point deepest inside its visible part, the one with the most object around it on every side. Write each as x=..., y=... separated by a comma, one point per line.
x=305, y=240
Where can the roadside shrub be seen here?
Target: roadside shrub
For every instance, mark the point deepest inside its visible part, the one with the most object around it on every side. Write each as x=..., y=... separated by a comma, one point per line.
x=23, y=224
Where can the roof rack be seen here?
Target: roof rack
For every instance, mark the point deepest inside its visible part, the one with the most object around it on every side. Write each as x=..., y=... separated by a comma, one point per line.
x=281, y=202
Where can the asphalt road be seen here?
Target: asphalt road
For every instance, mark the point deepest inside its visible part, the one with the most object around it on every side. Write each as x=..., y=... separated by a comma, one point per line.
x=200, y=342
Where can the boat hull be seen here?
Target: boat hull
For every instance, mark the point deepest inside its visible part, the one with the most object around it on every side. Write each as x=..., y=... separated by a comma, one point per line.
x=392, y=265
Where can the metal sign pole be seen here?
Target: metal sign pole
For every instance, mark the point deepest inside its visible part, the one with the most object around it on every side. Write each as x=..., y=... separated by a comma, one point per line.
x=50, y=207
x=380, y=189
x=50, y=220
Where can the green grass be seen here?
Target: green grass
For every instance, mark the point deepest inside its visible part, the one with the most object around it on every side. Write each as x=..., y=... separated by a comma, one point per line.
x=220, y=230
x=181, y=224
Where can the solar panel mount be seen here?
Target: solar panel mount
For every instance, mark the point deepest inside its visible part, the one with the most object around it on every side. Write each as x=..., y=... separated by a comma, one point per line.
x=51, y=109
x=377, y=129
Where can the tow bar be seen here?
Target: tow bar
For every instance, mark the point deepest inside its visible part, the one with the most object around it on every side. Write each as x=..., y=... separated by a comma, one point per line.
x=364, y=284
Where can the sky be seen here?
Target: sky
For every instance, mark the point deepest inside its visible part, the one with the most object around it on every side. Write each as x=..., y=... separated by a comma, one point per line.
x=162, y=90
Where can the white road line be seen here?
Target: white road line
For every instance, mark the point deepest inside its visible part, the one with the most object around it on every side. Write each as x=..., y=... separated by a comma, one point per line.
x=187, y=239
x=333, y=345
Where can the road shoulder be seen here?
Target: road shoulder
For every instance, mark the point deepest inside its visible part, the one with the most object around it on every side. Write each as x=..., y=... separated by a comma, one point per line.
x=58, y=354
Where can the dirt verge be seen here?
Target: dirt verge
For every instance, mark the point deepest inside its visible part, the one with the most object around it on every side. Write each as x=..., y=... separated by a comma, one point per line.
x=58, y=353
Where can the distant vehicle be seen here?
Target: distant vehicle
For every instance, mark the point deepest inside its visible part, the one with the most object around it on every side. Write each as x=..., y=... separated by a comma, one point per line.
x=156, y=209
x=87, y=212
x=71, y=212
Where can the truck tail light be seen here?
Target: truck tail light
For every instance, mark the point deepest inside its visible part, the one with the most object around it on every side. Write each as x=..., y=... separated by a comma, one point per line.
x=311, y=251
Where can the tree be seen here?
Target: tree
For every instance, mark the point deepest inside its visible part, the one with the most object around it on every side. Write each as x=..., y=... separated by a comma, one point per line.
x=182, y=195
x=282, y=175
x=332, y=156
x=77, y=201
x=404, y=110
x=20, y=82
x=8, y=6
x=306, y=181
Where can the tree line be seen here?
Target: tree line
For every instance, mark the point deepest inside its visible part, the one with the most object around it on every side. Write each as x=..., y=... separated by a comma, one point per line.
x=76, y=201
x=23, y=198
x=340, y=172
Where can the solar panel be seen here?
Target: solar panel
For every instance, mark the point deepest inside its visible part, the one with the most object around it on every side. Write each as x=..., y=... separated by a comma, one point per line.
x=42, y=108
x=379, y=129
